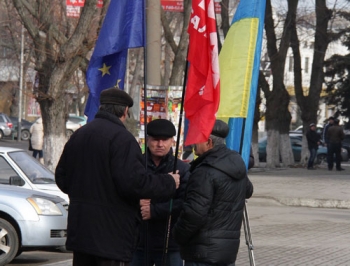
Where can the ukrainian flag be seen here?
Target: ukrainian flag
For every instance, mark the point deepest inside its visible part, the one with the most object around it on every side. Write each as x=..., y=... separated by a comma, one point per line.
x=239, y=71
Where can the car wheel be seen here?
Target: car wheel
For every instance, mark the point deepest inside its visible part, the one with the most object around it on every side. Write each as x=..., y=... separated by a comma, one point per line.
x=321, y=159
x=8, y=242
x=69, y=133
x=1, y=134
x=25, y=135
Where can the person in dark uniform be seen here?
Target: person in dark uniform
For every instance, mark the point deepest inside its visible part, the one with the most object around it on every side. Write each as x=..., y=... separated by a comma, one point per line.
x=102, y=171
x=160, y=159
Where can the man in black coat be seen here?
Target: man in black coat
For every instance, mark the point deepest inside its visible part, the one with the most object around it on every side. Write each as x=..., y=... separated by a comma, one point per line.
x=313, y=140
x=208, y=229
x=335, y=135
x=155, y=213
x=102, y=171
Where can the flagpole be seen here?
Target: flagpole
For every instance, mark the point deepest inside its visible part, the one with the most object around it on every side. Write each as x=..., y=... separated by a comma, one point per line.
x=166, y=244
x=146, y=246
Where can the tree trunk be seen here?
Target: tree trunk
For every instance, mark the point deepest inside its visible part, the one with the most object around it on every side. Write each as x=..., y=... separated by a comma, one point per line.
x=277, y=114
x=309, y=104
x=59, y=52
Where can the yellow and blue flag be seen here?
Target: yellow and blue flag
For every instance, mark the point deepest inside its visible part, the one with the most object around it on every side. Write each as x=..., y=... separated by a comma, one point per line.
x=239, y=71
x=122, y=28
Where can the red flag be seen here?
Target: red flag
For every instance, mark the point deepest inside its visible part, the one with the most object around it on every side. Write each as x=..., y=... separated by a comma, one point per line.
x=203, y=85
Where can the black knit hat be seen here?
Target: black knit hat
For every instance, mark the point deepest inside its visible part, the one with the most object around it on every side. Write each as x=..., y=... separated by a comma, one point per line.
x=116, y=96
x=220, y=129
x=161, y=128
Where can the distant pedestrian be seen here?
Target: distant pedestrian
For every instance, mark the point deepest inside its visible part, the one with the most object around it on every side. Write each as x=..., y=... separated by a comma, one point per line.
x=325, y=130
x=37, y=139
x=335, y=134
x=208, y=230
x=313, y=140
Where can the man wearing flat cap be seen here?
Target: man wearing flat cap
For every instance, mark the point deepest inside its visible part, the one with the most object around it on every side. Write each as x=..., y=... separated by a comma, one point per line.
x=160, y=159
x=208, y=229
x=102, y=171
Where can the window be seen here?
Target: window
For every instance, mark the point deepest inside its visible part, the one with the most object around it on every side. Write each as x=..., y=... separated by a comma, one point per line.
x=306, y=67
x=291, y=64
x=5, y=171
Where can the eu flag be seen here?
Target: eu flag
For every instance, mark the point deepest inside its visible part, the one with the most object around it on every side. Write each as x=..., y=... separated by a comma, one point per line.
x=123, y=28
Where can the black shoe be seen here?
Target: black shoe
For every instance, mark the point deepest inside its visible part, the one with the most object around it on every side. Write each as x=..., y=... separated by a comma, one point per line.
x=330, y=169
x=340, y=169
x=311, y=168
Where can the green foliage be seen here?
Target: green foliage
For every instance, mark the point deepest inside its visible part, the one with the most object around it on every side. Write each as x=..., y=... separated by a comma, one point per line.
x=337, y=79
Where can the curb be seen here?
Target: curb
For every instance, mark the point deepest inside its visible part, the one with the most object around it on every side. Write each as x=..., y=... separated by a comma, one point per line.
x=313, y=203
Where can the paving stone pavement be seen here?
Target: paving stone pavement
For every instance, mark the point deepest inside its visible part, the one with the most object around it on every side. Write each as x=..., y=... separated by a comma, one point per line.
x=301, y=187
x=295, y=241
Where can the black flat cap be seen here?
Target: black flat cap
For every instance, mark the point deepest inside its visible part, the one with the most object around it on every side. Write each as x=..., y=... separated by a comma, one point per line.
x=116, y=96
x=161, y=128
x=220, y=129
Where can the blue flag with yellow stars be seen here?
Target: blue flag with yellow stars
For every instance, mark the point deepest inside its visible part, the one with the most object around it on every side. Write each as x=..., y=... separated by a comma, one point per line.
x=123, y=28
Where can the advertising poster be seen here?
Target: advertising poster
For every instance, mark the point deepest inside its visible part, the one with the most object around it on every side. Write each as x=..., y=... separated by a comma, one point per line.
x=162, y=102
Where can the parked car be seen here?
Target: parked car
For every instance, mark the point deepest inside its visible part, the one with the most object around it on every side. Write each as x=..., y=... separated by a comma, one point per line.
x=346, y=141
x=296, y=142
x=18, y=168
x=5, y=126
x=299, y=130
x=73, y=123
x=25, y=127
x=30, y=220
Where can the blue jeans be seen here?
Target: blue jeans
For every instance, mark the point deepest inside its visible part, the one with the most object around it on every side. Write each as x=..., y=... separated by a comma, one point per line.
x=155, y=258
x=36, y=152
x=190, y=263
x=312, y=157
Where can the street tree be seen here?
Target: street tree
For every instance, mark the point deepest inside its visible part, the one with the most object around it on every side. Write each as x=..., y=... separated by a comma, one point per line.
x=337, y=76
x=308, y=101
x=277, y=115
x=61, y=46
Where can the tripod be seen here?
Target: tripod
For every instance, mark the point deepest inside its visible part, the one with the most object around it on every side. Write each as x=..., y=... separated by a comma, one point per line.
x=248, y=236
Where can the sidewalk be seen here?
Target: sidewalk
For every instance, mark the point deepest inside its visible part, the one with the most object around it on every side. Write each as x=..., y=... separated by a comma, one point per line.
x=302, y=187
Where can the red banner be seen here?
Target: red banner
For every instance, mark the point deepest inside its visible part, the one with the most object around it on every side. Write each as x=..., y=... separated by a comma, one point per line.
x=178, y=6
x=203, y=85
x=81, y=3
x=75, y=3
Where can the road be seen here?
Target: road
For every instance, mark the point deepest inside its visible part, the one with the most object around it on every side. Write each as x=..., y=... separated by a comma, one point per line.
x=33, y=258
x=281, y=235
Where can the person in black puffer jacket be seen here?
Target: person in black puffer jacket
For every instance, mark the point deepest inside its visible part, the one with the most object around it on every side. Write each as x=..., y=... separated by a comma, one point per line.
x=208, y=229
x=160, y=159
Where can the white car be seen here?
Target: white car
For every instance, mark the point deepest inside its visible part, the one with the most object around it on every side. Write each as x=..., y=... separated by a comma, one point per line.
x=30, y=220
x=18, y=168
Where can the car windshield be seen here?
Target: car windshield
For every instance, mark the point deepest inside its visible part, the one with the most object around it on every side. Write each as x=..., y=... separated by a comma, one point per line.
x=32, y=168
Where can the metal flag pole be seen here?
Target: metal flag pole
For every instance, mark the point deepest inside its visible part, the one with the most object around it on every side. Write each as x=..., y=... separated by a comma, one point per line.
x=166, y=241
x=146, y=239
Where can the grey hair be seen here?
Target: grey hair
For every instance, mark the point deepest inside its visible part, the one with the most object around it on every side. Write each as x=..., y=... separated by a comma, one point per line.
x=217, y=140
x=117, y=110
